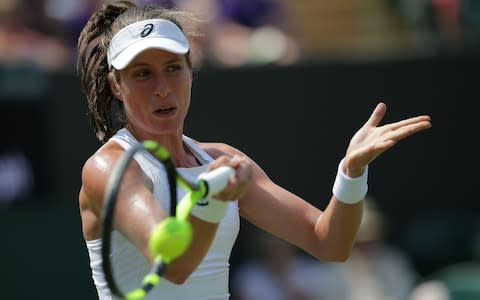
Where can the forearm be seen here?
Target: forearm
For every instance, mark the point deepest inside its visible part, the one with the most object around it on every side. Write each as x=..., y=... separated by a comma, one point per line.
x=339, y=223
x=203, y=234
x=204, y=220
x=337, y=227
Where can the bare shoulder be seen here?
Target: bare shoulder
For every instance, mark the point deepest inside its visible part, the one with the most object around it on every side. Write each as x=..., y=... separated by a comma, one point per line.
x=96, y=171
x=102, y=161
x=216, y=150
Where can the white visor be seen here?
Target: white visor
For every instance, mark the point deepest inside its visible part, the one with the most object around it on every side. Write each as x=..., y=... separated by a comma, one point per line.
x=140, y=36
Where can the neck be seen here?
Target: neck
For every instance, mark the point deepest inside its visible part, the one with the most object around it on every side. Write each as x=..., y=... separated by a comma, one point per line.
x=180, y=153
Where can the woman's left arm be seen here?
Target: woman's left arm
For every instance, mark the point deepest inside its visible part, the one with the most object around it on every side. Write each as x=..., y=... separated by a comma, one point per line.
x=329, y=234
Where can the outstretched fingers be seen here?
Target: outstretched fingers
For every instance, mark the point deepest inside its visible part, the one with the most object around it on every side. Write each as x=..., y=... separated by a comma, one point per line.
x=411, y=121
x=407, y=128
x=372, y=140
x=377, y=115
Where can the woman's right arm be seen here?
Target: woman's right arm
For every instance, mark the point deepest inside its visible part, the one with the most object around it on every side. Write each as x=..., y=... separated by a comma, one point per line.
x=137, y=211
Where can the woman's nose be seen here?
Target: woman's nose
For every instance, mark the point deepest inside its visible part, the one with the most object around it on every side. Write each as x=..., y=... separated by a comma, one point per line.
x=162, y=88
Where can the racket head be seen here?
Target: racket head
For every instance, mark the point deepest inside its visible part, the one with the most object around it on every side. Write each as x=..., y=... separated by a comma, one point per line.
x=172, y=236
x=109, y=205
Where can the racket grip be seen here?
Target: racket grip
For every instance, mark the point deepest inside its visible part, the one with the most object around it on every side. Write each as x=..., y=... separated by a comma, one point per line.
x=217, y=179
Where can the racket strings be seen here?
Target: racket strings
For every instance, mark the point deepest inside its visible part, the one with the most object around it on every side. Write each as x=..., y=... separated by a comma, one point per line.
x=179, y=211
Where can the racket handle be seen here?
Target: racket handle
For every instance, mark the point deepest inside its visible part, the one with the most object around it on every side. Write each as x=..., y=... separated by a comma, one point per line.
x=216, y=180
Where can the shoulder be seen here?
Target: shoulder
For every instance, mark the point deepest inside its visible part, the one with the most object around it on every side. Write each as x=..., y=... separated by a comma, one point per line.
x=96, y=171
x=102, y=160
x=95, y=174
x=217, y=149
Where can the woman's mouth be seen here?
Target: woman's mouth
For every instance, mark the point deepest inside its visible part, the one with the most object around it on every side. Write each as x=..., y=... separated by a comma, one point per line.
x=166, y=111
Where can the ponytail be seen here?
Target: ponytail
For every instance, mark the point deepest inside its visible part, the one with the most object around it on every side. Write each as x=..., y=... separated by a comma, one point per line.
x=93, y=69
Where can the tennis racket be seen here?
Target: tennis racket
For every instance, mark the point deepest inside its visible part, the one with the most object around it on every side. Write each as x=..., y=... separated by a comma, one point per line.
x=173, y=235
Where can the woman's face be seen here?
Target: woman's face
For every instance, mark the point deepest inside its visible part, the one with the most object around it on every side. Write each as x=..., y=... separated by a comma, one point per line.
x=155, y=89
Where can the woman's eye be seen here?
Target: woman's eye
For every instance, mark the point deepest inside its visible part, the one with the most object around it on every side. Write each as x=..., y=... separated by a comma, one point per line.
x=173, y=68
x=142, y=73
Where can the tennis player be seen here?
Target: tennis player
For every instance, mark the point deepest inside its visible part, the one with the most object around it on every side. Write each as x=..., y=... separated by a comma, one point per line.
x=137, y=75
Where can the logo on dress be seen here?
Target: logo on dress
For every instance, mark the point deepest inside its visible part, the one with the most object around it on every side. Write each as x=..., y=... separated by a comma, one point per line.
x=147, y=29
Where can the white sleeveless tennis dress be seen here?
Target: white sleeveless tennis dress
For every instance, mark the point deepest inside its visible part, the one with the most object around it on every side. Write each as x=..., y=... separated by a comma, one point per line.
x=209, y=281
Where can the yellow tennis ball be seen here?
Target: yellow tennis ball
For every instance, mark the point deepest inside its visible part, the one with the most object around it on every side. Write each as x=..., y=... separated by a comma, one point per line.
x=170, y=238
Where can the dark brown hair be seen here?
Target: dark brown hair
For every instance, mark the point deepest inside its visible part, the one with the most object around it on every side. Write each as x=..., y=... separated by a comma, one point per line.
x=106, y=113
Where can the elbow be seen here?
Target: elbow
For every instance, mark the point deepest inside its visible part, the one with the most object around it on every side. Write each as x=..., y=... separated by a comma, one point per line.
x=340, y=257
x=178, y=280
x=335, y=255
x=177, y=276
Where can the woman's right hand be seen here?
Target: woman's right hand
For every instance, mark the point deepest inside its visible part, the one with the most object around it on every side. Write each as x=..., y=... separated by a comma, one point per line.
x=239, y=182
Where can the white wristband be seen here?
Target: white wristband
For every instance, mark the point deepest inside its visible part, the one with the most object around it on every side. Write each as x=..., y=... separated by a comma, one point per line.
x=350, y=190
x=210, y=210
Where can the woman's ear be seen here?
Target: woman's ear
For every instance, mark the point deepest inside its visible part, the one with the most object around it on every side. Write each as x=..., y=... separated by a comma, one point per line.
x=114, y=86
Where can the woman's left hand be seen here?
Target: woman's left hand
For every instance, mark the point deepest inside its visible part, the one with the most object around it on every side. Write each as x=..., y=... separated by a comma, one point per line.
x=372, y=140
